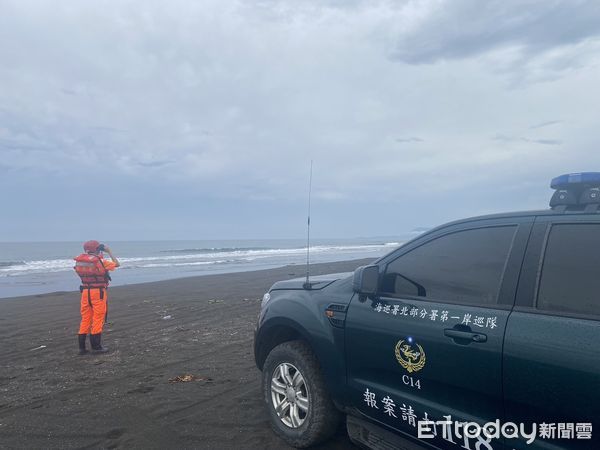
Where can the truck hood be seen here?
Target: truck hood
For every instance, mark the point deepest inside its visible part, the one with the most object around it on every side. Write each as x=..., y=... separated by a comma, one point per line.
x=317, y=282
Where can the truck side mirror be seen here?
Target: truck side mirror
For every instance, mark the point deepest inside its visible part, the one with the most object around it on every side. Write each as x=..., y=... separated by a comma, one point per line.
x=366, y=280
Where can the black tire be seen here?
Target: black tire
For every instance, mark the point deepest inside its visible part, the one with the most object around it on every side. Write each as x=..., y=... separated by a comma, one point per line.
x=322, y=418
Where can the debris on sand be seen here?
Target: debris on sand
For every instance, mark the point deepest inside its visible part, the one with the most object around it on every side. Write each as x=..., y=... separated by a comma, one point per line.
x=187, y=378
x=38, y=348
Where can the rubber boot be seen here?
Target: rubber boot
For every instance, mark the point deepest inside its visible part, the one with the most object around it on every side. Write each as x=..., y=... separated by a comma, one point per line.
x=82, y=349
x=96, y=340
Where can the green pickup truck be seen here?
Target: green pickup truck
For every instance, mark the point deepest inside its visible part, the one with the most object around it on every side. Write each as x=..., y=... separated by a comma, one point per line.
x=480, y=334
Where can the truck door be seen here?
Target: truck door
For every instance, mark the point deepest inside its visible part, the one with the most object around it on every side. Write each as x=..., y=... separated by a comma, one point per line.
x=429, y=345
x=551, y=355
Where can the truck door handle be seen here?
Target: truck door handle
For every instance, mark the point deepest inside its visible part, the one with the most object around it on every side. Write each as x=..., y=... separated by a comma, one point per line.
x=465, y=335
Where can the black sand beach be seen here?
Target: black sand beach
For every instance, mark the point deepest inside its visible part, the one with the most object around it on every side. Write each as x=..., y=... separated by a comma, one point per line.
x=52, y=398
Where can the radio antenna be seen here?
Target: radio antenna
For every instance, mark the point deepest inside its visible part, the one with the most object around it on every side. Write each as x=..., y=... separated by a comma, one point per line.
x=307, y=284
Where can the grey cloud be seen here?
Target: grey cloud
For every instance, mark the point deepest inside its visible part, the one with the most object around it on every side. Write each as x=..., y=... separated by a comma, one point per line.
x=409, y=139
x=509, y=139
x=505, y=138
x=545, y=124
x=108, y=129
x=545, y=141
x=465, y=28
x=233, y=103
x=21, y=146
x=155, y=163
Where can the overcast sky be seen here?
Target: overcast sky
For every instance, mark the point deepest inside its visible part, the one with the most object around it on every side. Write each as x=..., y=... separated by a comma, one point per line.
x=198, y=119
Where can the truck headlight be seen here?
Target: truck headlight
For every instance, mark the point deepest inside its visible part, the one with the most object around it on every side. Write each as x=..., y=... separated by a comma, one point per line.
x=265, y=300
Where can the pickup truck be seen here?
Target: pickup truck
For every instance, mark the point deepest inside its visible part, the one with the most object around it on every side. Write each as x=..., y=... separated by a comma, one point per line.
x=480, y=334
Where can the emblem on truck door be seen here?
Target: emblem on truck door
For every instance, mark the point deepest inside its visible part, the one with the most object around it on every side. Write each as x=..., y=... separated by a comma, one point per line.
x=410, y=355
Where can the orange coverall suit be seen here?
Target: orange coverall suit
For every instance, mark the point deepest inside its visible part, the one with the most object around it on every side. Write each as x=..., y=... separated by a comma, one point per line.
x=93, y=306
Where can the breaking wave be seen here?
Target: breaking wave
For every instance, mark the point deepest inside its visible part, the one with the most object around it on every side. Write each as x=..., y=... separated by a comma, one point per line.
x=191, y=257
x=11, y=263
x=212, y=250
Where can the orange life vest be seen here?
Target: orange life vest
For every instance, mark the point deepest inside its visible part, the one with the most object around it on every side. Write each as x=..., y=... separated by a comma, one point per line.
x=91, y=270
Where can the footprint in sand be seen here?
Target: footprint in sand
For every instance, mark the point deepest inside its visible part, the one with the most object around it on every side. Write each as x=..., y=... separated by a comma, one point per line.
x=141, y=390
x=115, y=433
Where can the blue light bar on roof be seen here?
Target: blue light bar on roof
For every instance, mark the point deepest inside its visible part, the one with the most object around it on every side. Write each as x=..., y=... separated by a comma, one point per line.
x=572, y=180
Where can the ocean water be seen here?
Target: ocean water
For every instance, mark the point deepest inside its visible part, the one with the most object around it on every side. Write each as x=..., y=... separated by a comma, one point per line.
x=28, y=268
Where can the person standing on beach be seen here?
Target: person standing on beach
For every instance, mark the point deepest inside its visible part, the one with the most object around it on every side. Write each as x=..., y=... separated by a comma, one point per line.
x=94, y=270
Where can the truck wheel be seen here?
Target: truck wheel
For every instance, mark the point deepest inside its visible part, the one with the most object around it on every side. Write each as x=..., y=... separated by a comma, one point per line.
x=301, y=410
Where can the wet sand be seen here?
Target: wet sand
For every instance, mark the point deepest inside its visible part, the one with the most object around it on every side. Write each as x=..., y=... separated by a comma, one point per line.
x=52, y=398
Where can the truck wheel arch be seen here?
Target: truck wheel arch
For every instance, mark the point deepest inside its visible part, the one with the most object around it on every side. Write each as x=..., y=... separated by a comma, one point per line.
x=277, y=333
